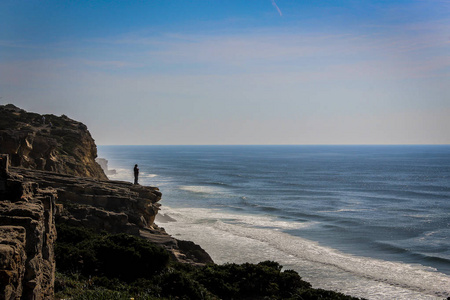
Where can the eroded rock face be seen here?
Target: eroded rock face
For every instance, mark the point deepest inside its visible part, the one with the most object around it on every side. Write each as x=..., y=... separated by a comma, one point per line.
x=48, y=142
x=53, y=158
x=28, y=211
x=27, y=237
x=12, y=261
x=114, y=206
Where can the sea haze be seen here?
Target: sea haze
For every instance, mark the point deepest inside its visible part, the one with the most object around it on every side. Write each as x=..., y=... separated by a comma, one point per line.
x=370, y=221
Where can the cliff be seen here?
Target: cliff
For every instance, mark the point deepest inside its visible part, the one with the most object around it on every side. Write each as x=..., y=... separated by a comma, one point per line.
x=32, y=201
x=27, y=237
x=48, y=142
x=49, y=176
x=109, y=246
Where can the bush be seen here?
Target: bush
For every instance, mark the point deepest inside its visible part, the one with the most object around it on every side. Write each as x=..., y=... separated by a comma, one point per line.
x=120, y=266
x=181, y=285
x=120, y=256
x=261, y=280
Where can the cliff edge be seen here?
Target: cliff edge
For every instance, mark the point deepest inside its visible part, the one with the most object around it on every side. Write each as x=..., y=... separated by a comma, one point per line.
x=108, y=246
x=49, y=176
x=48, y=143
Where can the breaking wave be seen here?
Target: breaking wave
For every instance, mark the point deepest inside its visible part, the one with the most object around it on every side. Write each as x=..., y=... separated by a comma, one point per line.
x=230, y=237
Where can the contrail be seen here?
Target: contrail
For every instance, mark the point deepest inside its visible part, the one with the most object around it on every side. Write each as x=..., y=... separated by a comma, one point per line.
x=276, y=6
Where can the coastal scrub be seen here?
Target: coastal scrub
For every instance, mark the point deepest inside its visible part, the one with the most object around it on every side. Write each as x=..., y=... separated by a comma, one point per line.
x=101, y=265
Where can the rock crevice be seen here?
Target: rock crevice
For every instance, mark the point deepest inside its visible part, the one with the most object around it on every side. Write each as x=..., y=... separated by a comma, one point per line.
x=27, y=237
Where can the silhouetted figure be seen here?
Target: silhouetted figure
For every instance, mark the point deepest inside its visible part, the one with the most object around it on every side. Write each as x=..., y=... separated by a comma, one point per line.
x=136, y=174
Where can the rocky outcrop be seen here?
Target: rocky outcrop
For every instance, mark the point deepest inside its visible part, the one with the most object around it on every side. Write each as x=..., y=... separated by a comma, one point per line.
x=27, y=236
x=32, y=200
x=54, y=178
x=48, y=142
x=114, y=206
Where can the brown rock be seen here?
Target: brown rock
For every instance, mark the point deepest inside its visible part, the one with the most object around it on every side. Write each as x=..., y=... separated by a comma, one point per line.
x=57, y=162
x=12, y=261
x=138, y=204
x=27, y=236
x=58, y=144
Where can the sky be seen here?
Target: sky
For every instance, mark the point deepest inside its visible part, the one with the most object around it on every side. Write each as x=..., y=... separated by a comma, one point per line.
x=215, y=72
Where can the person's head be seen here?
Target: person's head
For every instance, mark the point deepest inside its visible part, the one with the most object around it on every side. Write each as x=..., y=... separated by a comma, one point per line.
x=135, y=165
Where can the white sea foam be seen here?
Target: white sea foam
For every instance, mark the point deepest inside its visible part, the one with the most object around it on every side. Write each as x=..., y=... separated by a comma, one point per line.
x=418, y=216
x=162, y=218
x=198, y=215
x=127, y=175
x=148, y=175
x=199, y=189
x=345, y=210
x=122, y=175
x=249, y=238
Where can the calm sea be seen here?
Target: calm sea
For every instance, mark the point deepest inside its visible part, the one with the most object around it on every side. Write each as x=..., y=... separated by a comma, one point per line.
x=370, y=221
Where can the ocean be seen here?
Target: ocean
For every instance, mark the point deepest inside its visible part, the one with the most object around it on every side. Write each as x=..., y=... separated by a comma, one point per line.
x=368, y=221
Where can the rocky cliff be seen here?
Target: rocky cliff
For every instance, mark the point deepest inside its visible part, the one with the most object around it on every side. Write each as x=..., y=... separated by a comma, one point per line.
x=31, y=201
x=48, y=142
x=27, y=236
x=53, y=178
x=112, y=206
x=55, y=183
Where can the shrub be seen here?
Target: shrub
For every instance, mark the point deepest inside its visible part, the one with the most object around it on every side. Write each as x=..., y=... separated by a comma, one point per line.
x=250, y=280
x=120, y=266
x=179, y=284
x=121, y=256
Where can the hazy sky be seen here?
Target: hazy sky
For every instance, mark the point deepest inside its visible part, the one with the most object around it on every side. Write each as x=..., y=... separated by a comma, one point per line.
x=233, y=72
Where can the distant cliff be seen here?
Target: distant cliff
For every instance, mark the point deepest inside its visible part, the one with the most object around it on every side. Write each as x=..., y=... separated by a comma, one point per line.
x=48, y=142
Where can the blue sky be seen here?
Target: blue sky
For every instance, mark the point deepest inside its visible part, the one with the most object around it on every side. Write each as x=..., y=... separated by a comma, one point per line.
x=233, y=72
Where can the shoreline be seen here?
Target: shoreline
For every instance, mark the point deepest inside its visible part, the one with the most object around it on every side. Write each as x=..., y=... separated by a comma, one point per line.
x=316, y=264
x=378, y=282
x=77, y=193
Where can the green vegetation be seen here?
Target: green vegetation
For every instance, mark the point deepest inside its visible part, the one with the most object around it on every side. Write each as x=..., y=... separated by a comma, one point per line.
x=119, y=266
x=121, y=256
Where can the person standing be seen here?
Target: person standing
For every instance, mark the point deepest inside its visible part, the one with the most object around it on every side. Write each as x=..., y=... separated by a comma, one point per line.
x=136, y=174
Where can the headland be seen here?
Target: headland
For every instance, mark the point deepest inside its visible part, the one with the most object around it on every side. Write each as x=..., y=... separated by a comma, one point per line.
x=66, y=230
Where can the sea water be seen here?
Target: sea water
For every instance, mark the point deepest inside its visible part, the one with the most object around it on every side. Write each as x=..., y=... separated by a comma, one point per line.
x=369, y=221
